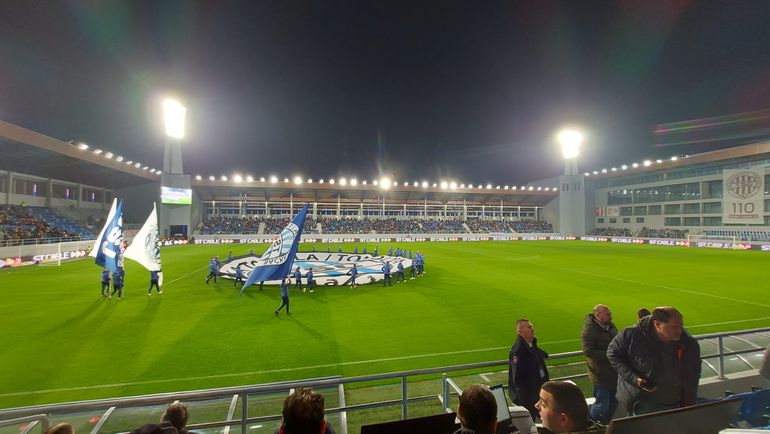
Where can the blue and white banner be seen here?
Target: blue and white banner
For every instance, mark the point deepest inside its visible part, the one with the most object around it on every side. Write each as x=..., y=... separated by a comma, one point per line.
x=107, y=247
x=276, y=263
x=145, y=248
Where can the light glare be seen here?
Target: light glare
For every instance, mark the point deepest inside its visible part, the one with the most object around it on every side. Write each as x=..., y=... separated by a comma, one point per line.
x=173, y=115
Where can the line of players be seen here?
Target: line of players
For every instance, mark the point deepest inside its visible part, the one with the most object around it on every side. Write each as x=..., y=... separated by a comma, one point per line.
x=118, y=278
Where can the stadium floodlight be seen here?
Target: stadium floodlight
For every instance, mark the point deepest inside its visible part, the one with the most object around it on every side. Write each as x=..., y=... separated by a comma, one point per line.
x=614, y=169
x=604, y=170
x=514, y=187
x=453, y=185
x=273, y=179
x=321, y=181
x=223, y=178
x=415, y=184
x=425, y=184
x=152, y=170
x=249, y=178
x=363, y=182
x=674, y=158
x=395, y=183
x=489, y=186
x=375, y=182
x=297, y=180
x=539, y=188
x=505, y=188
x=587, y=174
x=385, y=183
x=354, y=182
x=212, y=178
x=570, y=141
x=462, y=185
x=444, y=185
x=198, y=177
x=435, y=185
x=497, y=188
x=658, y=161
x=624, y=167
x=129, y=162
x=595, y=172
x=237, y=178
x=647, y=163
x=82, y=146
x=635, y=165
x=119, y=158
x=109, y=155
x=158, y=172
x=285, y=180
x=343, y=181
x=331, y=181
x=173, y=116
x=531, y=188
x=145, y=167
x=137, y=164
x=97, y=151
x=310, y=180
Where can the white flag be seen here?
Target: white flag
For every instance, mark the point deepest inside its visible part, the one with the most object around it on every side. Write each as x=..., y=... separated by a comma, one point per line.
x=98, y=242
x=145, y=249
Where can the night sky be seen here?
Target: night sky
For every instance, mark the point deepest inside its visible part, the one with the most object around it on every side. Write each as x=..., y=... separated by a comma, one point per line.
x=462, y=90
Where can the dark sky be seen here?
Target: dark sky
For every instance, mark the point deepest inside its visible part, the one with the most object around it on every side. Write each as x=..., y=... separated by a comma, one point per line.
x=465, y=90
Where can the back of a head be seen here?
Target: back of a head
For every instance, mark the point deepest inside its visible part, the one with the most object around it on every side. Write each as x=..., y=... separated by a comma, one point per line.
x=478, y=409
x=61, y=428
x=155, y=428
x=569, y=399
x=176, y=414
x=643, y=312
x=303, y=412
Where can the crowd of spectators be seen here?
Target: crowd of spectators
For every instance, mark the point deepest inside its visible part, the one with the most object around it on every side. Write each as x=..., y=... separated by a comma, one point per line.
x=612, y=232
x=532, y=226
x=663, y=233
x=250, y=225
x=21, y=223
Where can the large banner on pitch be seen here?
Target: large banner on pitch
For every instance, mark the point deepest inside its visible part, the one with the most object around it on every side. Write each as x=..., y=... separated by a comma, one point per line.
x=743, y=196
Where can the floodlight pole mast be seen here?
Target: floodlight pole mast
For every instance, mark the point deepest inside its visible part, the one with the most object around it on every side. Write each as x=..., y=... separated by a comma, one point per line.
x=174, y=218
x=572, y=194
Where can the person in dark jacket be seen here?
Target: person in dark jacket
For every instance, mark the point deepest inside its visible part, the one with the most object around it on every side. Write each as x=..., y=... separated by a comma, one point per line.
x=598, y=332
x=303, y=413
x=477, y=411
x=526, y=368
x=658, y=363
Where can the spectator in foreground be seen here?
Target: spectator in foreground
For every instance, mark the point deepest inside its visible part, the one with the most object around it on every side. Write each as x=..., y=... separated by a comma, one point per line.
x=598, y=332
x=764, y=370
x=477, y=411
x=303, y=413
x=658, y=363
x=526, y=367
x=563, y=409
x=155, y=428
x=176, y=415
x=643, y=312
x=61, y=428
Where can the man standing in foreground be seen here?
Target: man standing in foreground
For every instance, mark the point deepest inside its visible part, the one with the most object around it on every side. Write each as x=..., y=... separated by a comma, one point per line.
x=658, y=363
x=526, y=368
x=598, y=332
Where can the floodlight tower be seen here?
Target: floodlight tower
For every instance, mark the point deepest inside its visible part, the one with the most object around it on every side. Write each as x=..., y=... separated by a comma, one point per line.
x=572, y=197
x=176, y=195
x=173, y=115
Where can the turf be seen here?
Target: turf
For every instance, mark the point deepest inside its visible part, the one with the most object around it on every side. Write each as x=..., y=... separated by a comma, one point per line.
x=62, y=342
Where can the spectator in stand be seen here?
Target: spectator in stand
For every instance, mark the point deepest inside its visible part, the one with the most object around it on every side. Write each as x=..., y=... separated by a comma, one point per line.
x=155, y=428
x=303, y=413
x=764, y=370
x=598, y=332
x=176, y=415
x=61, y=428
x=526, y=367
x=477, y=411
x=562, y=409
x=643, y=312
x=658, y=363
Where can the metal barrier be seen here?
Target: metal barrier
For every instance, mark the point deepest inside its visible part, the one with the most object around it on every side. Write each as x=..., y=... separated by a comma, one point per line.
x=448, y=388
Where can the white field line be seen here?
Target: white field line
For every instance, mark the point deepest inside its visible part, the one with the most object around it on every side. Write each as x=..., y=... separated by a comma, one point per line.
x=328, y=365
x=653, y=285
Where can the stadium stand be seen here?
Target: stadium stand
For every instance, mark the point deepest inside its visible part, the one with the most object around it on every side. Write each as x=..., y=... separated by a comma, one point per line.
x=19, y=223
x=742, y=235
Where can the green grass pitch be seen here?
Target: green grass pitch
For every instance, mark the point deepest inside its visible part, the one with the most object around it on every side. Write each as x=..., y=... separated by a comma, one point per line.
x=62, y=342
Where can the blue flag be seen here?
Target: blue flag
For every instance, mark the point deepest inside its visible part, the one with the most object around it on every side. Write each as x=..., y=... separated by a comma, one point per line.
x=276, y=263
x=109, y=245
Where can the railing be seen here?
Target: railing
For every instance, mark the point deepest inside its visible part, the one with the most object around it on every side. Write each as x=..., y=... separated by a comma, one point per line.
x=53, y=240
x=448, y=388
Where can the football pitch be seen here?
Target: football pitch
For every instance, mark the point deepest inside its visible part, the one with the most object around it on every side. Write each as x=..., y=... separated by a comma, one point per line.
x=61, y=341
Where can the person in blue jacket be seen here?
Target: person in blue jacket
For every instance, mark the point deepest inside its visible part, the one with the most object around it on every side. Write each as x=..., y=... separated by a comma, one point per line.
x=400, y=272
x=386, y=272
x=105, y=281
x=310, y=281
x=212, y=271
x=297, y=279
x=284, y=297
x=153, y=282
x=117, y=285
x=353, y=274
x=238, y=276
